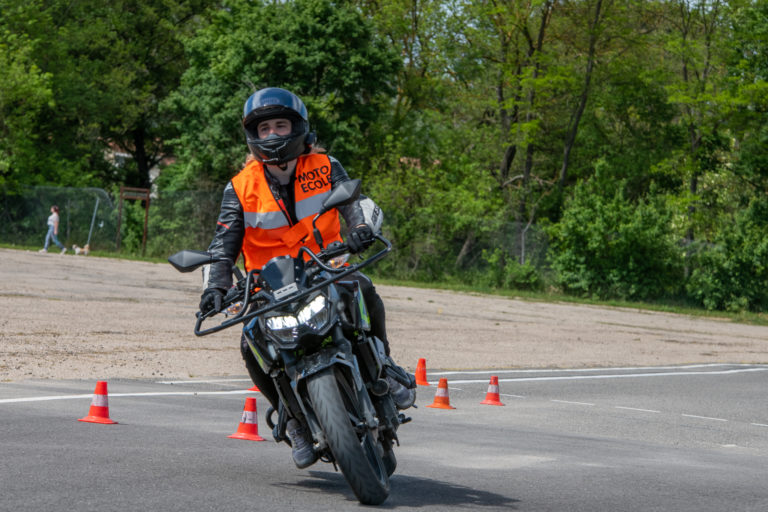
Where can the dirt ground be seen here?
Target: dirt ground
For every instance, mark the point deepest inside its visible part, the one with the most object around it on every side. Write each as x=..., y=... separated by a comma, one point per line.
x=83, y=317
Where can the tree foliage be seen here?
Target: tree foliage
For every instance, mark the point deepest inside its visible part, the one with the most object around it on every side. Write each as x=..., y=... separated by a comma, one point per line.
x=633, y=132
x=105, y=67
x=25, y=90
x=326, y=53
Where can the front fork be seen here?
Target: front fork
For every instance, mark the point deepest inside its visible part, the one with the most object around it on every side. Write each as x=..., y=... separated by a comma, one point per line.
x=291, y=385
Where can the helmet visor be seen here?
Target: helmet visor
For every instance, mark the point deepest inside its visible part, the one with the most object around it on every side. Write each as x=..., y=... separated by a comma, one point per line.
x=252, y=122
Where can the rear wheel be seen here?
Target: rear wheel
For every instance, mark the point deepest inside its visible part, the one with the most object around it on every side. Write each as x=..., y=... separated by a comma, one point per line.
x=355, y=449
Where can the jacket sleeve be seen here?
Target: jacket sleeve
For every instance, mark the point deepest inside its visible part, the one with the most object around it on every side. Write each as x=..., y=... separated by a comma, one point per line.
x=227, y=240
x=352, y=213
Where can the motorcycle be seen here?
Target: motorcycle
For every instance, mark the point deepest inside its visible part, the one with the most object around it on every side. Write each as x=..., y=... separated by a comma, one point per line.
x=309, y=330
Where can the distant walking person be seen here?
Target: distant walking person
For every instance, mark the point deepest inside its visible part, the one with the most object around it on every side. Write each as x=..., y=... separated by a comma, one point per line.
x=53, y=231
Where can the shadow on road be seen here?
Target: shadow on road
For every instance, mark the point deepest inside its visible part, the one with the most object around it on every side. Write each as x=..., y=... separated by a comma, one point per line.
x=411, y=491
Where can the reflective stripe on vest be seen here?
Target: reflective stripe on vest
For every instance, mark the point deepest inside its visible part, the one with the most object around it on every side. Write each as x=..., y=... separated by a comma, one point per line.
x=268, y=231
x=310, y=205
x=265, y=220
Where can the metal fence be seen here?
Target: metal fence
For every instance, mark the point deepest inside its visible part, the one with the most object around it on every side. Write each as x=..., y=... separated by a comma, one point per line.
x=89, y=216
x=187, y=219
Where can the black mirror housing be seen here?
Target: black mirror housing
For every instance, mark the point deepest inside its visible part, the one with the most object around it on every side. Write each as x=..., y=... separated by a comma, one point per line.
x=187, y=261
x=344, y=193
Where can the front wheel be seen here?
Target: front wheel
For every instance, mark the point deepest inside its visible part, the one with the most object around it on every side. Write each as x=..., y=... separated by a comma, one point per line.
x=390, y=461
x=357, y=453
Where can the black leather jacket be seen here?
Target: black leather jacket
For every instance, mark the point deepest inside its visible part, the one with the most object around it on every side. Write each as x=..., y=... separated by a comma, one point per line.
x=230, y=228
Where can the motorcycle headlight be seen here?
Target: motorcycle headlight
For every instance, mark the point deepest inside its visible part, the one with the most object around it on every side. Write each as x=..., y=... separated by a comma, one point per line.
x=314, y=316
x=284, y=327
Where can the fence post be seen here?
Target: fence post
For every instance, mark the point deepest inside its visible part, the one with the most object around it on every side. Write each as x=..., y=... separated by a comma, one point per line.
x=139, y=194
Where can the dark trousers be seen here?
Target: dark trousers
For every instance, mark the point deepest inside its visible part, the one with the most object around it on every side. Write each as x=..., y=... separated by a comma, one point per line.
x=378, y=328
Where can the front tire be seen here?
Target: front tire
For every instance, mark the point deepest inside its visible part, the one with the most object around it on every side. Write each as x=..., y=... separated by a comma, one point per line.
x=389, y=460
x=336, y=407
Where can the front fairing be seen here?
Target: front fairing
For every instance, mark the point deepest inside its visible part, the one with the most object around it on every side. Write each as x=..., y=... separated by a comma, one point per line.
x=304, y=323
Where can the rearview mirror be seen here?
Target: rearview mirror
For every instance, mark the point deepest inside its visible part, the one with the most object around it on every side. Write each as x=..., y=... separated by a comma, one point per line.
x=187, y=261
x=343, y=194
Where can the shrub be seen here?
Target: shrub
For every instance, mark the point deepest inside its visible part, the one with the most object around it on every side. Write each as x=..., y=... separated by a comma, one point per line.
x=608, y=247
x=732, y=273
x=504, y=271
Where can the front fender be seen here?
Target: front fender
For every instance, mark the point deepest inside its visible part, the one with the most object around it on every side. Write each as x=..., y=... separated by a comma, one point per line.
x=325, y=358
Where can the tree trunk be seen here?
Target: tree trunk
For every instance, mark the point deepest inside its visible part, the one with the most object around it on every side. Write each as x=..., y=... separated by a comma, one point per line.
x=574, y=128
x=465, y=248
x=530, y=148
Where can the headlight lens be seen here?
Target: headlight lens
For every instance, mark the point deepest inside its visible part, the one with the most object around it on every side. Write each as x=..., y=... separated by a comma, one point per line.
x=311, y=310
x=278, y=323
x=314, y=315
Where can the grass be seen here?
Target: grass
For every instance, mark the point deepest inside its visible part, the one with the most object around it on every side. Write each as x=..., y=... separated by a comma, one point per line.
x=665, y=306
x=101, y=254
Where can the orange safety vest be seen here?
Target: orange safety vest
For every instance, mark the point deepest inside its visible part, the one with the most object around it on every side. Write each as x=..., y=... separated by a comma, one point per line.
x=269, y=231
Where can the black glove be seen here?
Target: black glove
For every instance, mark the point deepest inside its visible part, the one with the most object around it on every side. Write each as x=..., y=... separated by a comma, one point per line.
x=360, y=238
x=211, y=300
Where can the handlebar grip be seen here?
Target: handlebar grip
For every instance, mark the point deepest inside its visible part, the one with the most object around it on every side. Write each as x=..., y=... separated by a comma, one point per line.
x=231, y=295
x=332, y=252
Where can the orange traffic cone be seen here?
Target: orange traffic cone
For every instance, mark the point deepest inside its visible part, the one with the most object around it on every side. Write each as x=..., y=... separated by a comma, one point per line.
x=99, y=411
x=441, y=397
x=421, y=373
x=492, y=397
x=249, y=426
x=255, y=388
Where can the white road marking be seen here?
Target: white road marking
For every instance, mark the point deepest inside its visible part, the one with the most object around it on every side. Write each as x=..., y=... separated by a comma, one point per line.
x=636, y=409
x=751, y=368
x=620, y=368
x=568, y=402
x=515, y=396
x=703, y=417
x=760, y=424
x=210, y=381
x=616, y=376
x=111, y=395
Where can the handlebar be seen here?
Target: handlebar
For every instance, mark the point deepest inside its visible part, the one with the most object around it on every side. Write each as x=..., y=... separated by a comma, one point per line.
x=325, y=254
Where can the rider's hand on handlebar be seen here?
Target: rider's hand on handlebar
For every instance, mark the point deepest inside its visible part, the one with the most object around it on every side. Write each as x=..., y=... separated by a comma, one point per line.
x=211, y=299
x=360, y=238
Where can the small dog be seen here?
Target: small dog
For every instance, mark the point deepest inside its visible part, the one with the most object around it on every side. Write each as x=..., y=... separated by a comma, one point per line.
x=82, y=250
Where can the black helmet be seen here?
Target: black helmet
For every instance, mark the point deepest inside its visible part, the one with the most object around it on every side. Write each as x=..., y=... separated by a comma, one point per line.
x=271, y=103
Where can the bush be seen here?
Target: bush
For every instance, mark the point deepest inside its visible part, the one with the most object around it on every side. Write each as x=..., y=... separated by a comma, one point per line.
x=732, y=273
x=608, y=247
x=504, y=271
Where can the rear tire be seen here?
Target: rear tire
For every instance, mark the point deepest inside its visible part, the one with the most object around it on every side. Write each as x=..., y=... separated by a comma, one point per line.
x=335, y=405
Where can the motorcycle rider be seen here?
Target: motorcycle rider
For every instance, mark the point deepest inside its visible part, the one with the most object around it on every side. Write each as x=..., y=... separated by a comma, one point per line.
x=267, y=211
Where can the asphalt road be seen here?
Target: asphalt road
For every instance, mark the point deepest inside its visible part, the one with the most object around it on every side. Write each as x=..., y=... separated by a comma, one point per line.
x=685, y=438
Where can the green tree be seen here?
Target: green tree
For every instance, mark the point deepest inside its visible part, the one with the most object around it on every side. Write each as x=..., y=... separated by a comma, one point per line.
x=732, y=274
x=729, y=270
x=107, y=66
x=697, y=73
x=748, y=76
x=25, y=91
x=324, y=52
